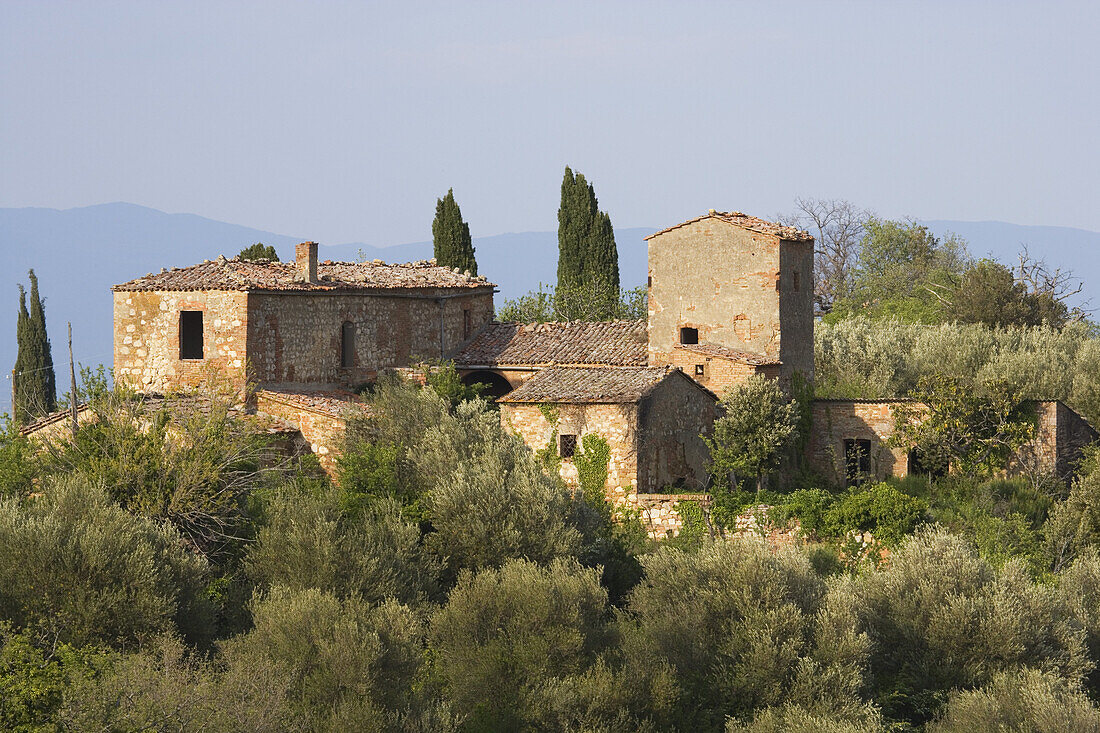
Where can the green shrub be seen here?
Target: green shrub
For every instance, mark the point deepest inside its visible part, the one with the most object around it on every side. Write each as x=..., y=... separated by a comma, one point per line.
x=879, y=508
x=350, y=664
x=19, y=463
x=164, y=686
x=733, y=622
x=311, y=541
x=75, y=567
x=809, y=506
x=33, y=681
x=1024, y=700
x=940, y=618
x=506, y=633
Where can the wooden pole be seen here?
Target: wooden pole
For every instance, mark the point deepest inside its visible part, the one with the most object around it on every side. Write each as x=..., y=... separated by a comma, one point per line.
x=72, y=380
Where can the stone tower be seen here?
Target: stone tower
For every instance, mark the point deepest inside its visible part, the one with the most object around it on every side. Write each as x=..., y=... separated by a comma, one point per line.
x=735, y=287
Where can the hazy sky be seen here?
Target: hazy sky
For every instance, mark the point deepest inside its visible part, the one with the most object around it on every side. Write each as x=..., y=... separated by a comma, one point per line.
x=345, y=121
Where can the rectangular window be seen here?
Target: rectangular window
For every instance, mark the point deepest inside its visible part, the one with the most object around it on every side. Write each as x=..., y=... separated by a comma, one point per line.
x=699, y=370
x=467, y=323
x=857, y=461
x=347, y=345
x=689, y=335
x=190, y=334
x=797, y=281
x=567, y=445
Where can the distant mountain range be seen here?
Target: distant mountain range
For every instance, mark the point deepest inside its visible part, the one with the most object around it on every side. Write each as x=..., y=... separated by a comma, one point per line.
x=79, y=254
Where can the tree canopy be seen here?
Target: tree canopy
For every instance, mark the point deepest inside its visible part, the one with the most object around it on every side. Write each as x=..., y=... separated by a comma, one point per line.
x=588, y=260
x=35, y=390
x=451, y=236
x=259, y=251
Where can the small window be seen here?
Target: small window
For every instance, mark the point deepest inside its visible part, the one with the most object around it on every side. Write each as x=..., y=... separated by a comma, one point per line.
x=649, y=282
x=190, y=334
x=700, y=370
x=467, y=323
x=857, y=461
x=689, y=335
x=797, y=281
x=347, y=345
x=567, y=445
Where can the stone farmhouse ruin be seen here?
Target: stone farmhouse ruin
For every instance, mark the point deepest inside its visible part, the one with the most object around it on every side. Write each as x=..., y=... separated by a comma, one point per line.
x=730, y=296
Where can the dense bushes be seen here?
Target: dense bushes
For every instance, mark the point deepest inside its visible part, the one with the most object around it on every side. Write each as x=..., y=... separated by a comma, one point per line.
x=447, y=583
x=884, y=358
x=78, y=569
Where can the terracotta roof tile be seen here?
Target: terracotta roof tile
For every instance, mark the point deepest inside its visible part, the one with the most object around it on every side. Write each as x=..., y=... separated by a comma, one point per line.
x=612, y=343
x=745, y=357
x=237, y=274
x=589, y=385
x=752, y=223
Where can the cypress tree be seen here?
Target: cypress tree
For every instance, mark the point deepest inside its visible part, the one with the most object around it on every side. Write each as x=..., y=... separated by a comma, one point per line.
x=451, y=236
x=35, y=383
x=587, y=256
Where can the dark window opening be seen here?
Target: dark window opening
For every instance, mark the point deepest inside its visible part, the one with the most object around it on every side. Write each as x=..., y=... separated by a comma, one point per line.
x=567, y=445
x=190, y=334
x=700, y=370
x=649, y=282
x=347, y=345
x=857, y=461
x=919, y=465
x=467, y=323
x=689, y=335
x=797, y=281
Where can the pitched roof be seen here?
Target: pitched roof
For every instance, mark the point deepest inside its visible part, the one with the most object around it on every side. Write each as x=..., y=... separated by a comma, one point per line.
x=612, y=343
x=745, y=357
x=752, y=223
x=237, y=274
x=591, y=384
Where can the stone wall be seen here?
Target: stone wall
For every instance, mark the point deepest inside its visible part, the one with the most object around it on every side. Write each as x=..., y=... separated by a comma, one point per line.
x=671, y=452
x=296, y=338
x=146, y=339
x=719, y=373
x=726, y=282
x=614, y=423
x=1061, y=436
x=835, y=421
x=321, y=420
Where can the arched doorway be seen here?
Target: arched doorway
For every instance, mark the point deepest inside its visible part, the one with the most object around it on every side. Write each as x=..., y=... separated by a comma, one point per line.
x=495, y=385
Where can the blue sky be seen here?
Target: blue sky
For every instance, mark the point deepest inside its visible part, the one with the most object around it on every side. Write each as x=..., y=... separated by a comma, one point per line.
x=345, y=121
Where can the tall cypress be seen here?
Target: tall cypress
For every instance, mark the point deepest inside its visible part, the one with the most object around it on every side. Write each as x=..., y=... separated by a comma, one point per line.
x=587, y=255
x=451, y=236
x=35, y=383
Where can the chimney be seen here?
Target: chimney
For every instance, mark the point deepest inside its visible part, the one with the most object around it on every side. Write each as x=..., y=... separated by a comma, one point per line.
x=305, y=258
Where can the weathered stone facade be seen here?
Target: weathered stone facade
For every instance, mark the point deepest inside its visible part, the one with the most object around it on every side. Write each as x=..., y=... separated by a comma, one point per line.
x=147, y=345
x=654, y=436
x=305, y=325
x=733, y=281
x=719, y=373
x=296, y=338
x=321, y=419
x=1061, y=435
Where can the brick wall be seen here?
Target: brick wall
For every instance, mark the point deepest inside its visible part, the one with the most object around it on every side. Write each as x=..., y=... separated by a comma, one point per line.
x=146, y=339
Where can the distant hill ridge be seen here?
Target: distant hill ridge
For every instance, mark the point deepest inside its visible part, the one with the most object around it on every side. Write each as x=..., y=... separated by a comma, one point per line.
x=80, y=253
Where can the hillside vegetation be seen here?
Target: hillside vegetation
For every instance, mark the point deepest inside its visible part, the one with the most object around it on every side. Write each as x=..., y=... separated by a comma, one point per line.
x=450, y=583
